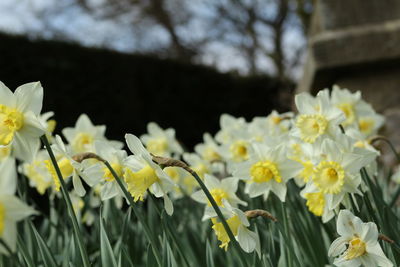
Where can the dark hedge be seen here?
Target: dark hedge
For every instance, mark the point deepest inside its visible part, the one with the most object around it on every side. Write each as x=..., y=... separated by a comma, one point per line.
x=126, y=91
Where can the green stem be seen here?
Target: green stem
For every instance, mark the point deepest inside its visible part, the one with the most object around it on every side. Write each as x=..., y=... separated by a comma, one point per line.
x=220, y=216
x=146, y=228
x=78, y=234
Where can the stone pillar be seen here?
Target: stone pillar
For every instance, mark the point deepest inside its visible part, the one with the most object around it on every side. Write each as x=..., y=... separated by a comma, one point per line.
x=356, y=44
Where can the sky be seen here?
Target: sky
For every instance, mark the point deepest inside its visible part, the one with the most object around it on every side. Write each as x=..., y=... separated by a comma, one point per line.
x=62, y=19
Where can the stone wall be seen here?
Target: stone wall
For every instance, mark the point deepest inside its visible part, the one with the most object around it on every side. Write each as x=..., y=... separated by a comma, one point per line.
x=356, y=44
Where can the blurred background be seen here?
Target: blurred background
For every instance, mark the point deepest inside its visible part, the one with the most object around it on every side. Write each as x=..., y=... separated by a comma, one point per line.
x=181, y=63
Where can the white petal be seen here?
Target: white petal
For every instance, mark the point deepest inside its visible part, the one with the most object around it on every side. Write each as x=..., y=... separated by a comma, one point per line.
x=169, y=208
x=134, y=145
x=246, y=239
x=337, y=247
x=9, y=236
x=29, y=96
x=6, y=96
x=8, y=178
x=199, y=196
x=109, y=190
x=16, y=210
x=77, y=183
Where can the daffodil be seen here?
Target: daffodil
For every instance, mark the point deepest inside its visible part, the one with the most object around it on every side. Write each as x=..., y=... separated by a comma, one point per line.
x=317, y=117
x=37, y=172
x=358, y=243
x=268, y=169
x=68, y=166
x=208, y=150
x=238, y=223
x=274, y=124
x=161, y=142
x=20, y=126
x=317, y=202
x=81, y=138
x=143, y=174
x=229, y=125
x=220, y=190
x=12, y=210
x=337, y=172
x=97, y=173
x=369, y=122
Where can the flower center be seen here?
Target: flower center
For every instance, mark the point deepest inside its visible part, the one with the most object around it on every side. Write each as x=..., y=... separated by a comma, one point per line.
x=11, y=120
x=157, y=146
x=218, y=195
x=139, y=182
x=311, y=127
x=239, y=151
x=82, y=142
x=329, y=177
x=233, y=222
x=264, y=171
x=210, y=154
x=2, y=218
x=366, y=125
x=315, y=203
x=108, y=175
x=201, y=169
x=348, y=111
x=66, y=171
x=356, y=248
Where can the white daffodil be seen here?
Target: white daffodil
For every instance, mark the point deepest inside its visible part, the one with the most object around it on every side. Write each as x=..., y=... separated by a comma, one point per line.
x=347, y=102
x=358, y=243
x=81, y=138
x=337, y=172
x=317, y=117
x=185, y=181
x=229, y=125
x=274, y=124
x=161, y=142
x=98, y=173
x=208, y=150
x=220, y=190
x=12, y=210
x=142, y=174
x=238, y=223
x=20, y=126
x=237, y=149
x=268, y=169
x=68, y=167
x=369, y=122
x=37, y=172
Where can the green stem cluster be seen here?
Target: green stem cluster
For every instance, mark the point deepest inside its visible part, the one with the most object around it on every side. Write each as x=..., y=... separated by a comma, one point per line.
x=68, y=203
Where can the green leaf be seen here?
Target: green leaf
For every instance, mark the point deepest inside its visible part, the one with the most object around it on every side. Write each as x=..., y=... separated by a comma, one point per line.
x=151, y=260
x=47, y=255
x=209, y=255
x=107, y=254
x=24, y=251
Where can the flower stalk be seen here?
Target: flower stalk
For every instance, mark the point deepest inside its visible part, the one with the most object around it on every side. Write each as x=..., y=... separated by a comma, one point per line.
x=168, y=162
x=78, y=235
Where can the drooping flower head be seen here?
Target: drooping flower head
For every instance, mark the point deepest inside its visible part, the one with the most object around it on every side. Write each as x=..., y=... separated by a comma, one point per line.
x=143, y=174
